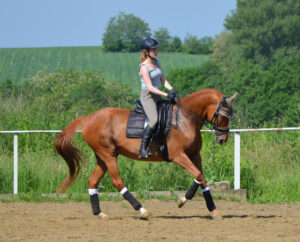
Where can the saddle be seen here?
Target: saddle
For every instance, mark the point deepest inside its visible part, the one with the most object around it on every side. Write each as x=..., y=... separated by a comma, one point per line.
x=138, y=120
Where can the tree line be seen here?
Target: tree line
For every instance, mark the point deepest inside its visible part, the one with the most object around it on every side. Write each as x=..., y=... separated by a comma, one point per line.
x=125, y=32
x=258, y=56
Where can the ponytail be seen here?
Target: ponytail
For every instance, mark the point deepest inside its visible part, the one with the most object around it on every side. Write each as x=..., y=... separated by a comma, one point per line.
x=144, y=55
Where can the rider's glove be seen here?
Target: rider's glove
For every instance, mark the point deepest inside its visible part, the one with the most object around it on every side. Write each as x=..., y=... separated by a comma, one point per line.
x=172, y=96
x=173, y=91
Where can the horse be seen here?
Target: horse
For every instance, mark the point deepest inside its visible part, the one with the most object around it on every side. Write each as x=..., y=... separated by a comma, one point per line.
x=105, y=132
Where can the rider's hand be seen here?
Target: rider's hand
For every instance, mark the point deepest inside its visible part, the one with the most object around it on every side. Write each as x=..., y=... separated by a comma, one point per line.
x=173, y=91
x=172, y=96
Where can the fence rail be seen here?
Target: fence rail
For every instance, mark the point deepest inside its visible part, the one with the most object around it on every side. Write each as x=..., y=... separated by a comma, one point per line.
x=237, y=149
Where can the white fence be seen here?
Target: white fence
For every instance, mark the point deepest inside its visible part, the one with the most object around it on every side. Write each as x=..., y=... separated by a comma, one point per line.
x=237, y=150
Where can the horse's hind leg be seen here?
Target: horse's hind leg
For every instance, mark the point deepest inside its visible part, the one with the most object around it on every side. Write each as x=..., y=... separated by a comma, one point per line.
x=94, y=180
x=112, y=166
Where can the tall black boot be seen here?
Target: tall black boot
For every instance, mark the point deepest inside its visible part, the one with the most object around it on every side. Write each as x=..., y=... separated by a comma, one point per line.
x=148, y=132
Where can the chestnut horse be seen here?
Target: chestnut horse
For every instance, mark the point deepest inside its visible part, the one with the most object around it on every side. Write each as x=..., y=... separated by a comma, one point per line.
x=105, y=133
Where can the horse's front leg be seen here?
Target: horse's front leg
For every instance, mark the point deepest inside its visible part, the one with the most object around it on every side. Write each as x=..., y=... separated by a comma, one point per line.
x=196, y=160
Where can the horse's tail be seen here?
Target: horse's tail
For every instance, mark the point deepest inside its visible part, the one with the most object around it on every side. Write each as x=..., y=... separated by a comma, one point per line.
x=71, y=154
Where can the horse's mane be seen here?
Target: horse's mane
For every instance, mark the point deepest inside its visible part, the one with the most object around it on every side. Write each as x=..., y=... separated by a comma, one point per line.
x=204, y=92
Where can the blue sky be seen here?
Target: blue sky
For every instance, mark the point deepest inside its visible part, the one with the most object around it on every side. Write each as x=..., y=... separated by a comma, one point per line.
x=47, y=23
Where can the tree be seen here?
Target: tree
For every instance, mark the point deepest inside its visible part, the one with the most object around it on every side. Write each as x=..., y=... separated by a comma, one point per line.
x=260, y=28
x=163, y=37
x=205, y=45
x=193, y=45
x=259, y=57
x=176, y=44
x=125, y=32
x=220, y=50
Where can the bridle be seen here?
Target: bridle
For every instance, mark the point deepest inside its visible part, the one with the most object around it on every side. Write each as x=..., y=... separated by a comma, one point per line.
x=213, y=122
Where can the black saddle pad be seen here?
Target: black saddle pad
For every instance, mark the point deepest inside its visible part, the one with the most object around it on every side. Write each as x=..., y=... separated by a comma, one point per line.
x=137, y=121
x=135, y=125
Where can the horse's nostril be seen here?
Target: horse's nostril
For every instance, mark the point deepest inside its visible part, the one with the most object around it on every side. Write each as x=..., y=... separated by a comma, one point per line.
x=221, y=141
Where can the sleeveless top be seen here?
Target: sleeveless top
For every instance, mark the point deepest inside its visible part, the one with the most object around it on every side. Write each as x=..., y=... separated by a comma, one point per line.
x=154, y=74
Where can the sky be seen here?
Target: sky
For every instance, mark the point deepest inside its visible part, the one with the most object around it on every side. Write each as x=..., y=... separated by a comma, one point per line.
x=51, y=23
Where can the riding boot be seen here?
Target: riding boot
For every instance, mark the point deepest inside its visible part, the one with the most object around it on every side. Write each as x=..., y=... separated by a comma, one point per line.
x=148, y=132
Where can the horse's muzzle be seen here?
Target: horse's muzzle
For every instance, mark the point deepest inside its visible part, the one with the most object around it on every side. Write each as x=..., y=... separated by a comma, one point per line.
x=221, y=139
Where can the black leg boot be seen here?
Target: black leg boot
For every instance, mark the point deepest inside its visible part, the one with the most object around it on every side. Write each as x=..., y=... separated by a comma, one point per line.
x=148, y=132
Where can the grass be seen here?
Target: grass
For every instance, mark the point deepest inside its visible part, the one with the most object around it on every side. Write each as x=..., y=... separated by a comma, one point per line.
x=270, y=170
x=17, y=64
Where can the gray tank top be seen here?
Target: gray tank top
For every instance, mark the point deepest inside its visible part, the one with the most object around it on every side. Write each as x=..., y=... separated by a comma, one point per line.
x=155, y=75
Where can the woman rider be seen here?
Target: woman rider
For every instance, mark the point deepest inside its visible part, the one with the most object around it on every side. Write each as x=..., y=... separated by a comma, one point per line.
x=151, y=76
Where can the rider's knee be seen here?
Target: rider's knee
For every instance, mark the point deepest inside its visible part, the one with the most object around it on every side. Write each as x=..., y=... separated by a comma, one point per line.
x=153, y=122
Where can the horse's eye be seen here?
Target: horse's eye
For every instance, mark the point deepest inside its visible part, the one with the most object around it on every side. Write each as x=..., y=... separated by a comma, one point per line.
x=223, y=117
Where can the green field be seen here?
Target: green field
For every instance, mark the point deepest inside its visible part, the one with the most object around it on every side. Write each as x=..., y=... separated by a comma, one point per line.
x=18, y=64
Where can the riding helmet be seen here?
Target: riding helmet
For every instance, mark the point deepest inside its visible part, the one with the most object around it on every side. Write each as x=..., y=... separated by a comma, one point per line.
x=149, y=43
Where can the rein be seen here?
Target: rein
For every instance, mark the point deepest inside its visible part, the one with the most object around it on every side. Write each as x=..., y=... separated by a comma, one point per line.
x=213, y=122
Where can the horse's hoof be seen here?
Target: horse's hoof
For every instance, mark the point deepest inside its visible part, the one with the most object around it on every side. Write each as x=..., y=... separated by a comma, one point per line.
x=215, y=215
x=145, y=213
x=181, y=202
x=103, y=215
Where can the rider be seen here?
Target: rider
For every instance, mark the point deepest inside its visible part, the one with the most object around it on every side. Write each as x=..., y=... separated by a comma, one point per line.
x=151, y=76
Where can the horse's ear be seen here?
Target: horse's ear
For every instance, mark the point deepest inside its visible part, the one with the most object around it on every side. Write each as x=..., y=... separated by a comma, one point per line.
x=231, y=99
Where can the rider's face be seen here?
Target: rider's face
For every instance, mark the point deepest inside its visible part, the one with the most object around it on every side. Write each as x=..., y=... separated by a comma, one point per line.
x=153, y=53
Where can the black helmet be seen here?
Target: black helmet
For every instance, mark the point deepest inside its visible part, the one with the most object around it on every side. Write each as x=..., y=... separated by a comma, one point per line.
x=149, y=43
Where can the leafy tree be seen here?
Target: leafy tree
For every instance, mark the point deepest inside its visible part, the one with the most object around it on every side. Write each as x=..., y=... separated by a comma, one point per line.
x=193, y=45
x=125, y=32
x=258, y=56
x=112, y=39
x=260, y=28
x=220, y=49
x=205, y=45
x=176, y=44
x=163, y=37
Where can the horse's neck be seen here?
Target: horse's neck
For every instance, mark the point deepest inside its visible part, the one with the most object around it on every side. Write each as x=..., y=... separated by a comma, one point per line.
x=200, y=103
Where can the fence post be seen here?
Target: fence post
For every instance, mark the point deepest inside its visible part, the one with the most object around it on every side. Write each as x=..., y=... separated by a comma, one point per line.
x=237, y=151
x=15, y=163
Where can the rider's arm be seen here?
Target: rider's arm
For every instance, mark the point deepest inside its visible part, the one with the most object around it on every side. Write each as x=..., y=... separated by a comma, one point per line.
x=165, y=83
x=145, y=75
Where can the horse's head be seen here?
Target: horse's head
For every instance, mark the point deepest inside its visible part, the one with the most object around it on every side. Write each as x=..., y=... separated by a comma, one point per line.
x=221, y=118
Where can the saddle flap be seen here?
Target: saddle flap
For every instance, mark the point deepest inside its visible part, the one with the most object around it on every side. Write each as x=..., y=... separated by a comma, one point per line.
x=138, y=120
x=135, y=125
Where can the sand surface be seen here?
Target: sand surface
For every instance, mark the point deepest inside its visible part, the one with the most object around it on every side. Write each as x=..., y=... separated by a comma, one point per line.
x=74, y=221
